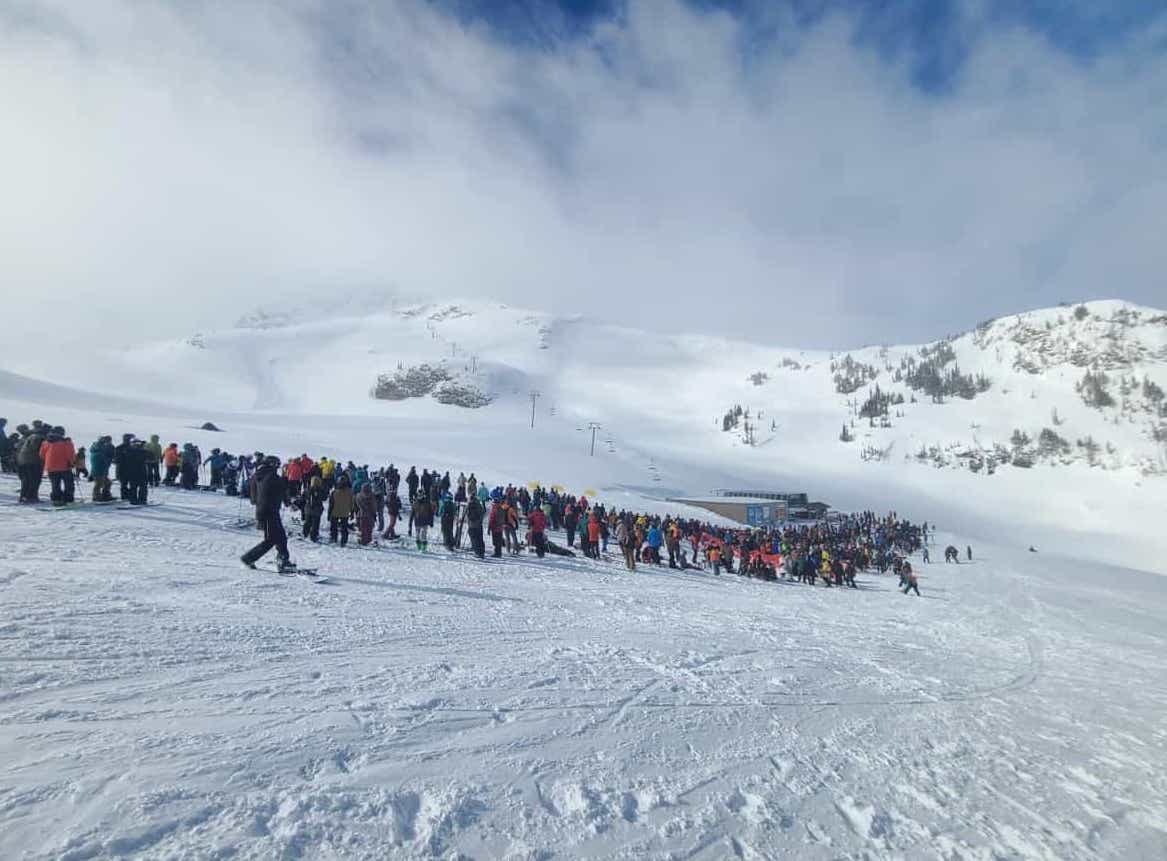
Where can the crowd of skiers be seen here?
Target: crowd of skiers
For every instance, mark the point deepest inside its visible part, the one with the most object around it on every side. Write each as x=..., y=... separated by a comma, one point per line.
x=343, y=498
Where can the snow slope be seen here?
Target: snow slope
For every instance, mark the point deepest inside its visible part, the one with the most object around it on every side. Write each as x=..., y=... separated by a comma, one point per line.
x=157, y=701
x=299, y=378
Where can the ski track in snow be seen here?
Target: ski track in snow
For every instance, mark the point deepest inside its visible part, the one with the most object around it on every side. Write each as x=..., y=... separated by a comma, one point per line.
x=156, y=700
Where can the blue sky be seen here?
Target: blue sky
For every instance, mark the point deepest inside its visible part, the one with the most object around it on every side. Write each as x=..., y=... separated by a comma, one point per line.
x=815, y=173
x=934, y=34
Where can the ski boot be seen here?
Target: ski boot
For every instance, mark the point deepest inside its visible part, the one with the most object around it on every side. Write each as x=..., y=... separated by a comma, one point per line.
x=285, y=566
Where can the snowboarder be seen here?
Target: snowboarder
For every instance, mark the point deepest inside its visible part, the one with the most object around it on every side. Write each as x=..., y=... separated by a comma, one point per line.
x=269, y=490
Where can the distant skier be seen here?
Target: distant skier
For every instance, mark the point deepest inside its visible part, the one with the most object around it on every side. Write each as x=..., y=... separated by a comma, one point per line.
x=968, y=550
x=269, y=491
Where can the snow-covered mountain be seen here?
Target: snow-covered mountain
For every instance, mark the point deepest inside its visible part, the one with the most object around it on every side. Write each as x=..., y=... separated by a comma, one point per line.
x=1051, y=424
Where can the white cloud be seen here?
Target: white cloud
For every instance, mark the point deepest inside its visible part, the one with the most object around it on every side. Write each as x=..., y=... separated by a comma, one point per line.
x=167, y=165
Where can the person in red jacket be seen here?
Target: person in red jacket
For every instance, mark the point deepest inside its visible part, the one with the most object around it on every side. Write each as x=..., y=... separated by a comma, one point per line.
x=293, y=472
x=537, y=526
x=57, y=453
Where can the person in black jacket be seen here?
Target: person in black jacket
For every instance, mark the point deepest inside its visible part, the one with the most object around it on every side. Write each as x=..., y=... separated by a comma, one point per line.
x=135, y=472
x=474, y=514
x=268, y=490
x=119, y=464
x=314, y=509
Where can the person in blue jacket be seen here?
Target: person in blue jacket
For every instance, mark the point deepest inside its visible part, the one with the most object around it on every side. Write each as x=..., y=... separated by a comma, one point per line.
x=100, y=460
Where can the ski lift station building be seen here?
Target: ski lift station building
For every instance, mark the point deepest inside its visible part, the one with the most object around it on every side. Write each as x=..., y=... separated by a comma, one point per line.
x=749, y=507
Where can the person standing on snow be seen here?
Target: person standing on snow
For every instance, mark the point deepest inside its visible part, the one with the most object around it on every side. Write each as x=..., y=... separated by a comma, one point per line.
x=393, y=510
x=423, y=519
x=269, y=491
x=474, y=515
x=314, y=509
x=171, y=459
x=57, y=454
x=537, y=525
x=366, y=514
x=340, y=507
x=447, y=511
x=100, y=460
x=137, y=472
x=29, y=464
x=153, y=457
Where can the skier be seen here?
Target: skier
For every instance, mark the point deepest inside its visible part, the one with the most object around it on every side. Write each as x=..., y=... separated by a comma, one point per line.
x=366, y=513
x=341, y=504
x=268, y=495
x=57, y=454
x=497, y=524
x=393, y=509
x=119, y=464
x=171, y=460
x=191, y=460
x=135, y=469
x=624, y=537
x=100, y=460
x=511, y=527
x=968, y=549
x=379, y=491
x=80, y=465
x=537, y=525
x=153, y=456
x=313, y=509
x=423, y=519
x=908, y=577
x=926, y=556
x=474, y=515
x=29, y=463
x=447, y=510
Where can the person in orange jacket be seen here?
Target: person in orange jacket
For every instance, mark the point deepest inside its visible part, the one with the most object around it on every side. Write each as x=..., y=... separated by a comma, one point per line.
x=57, y=453
x=171, y=459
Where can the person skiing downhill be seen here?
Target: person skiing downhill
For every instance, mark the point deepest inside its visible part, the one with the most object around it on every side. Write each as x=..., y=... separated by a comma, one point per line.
x=268, y=490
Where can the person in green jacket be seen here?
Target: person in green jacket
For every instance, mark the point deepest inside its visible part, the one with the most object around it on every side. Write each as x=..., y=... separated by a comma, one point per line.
x=153, y=458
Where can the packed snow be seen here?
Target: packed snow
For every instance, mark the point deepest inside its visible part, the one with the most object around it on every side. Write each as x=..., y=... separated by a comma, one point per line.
x=156, y=700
